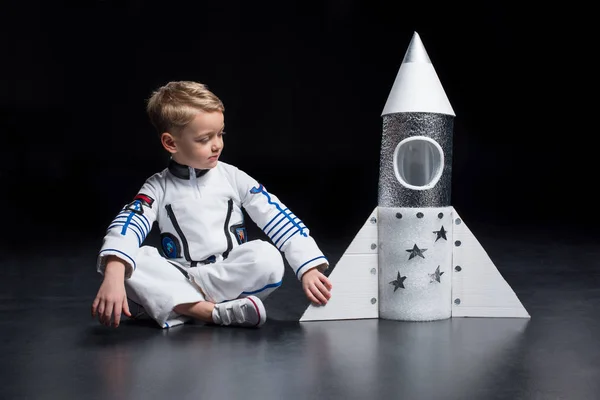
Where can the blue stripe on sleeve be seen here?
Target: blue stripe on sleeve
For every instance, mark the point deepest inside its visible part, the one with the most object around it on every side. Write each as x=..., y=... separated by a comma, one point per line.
x=137, y=205
x=285, y=233
x=144, y=221
x=140, y=240
x=303, y=265
x=141, y=217
x=300, y=225
x=289, y=237
x=278, y=214
x=275, y=225
x=279, y=230
x=261, y=189
x=120, y=252
x=142, y=227
x=142, y=232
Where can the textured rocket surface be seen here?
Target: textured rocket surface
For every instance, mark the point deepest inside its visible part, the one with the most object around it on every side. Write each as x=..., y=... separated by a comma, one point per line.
x=400, y=126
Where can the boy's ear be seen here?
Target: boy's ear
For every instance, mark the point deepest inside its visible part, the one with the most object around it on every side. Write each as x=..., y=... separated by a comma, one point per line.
x=168, y=142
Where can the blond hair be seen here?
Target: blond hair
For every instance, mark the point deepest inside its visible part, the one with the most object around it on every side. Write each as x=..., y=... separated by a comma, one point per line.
x=174, y=105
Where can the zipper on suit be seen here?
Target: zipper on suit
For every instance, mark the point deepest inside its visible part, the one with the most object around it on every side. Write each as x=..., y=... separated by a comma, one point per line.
x=194, y=182
x=184, y=243
x=226, y=228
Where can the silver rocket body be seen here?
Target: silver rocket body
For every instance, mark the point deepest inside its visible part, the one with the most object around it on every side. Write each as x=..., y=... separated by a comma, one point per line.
x=415, y=162
x=414, y=199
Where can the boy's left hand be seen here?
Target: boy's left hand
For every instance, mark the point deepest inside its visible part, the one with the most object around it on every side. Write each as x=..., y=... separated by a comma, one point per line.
x=316, y=286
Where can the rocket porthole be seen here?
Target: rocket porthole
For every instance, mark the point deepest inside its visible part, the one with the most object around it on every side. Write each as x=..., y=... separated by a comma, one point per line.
x=441, y=215
x=418, y=162
x=398, y=215
x=420, y=215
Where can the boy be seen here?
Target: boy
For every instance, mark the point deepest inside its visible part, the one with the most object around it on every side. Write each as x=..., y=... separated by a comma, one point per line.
x=210, y=271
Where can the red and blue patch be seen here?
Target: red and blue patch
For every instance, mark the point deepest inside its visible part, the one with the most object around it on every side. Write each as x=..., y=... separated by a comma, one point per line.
x=138, y=203
x=240, y=234
x=239, y=230
x=145, y=199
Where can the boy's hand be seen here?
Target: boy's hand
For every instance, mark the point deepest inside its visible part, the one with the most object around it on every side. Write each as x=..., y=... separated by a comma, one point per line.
x=111, y=296
x=316, y=286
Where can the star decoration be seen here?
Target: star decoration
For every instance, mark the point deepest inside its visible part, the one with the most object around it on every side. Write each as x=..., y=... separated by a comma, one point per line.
x=398, y=282
x=415, y=251
x=436, y=275
x=441, y=234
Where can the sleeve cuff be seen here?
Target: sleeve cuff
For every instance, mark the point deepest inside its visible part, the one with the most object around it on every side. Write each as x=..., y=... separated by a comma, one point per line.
x=310, y=264
x=128, y=260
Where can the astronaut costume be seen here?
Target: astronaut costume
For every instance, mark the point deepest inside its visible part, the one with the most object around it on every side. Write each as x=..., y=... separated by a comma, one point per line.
x=204, y=242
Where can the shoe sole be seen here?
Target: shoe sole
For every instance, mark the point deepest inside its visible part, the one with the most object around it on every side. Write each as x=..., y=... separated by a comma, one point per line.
x=260, y=309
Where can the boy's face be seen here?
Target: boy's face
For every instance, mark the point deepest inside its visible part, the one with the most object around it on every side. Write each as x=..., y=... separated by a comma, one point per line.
x=200, y=143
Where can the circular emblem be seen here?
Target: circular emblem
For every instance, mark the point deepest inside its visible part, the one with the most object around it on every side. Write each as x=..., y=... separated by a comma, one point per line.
x=170, y=246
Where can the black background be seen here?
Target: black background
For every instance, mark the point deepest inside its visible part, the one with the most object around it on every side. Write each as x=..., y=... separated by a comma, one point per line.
x=304, y=85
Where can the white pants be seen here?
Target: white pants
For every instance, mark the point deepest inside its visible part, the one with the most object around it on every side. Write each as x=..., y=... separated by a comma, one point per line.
x=159, y=284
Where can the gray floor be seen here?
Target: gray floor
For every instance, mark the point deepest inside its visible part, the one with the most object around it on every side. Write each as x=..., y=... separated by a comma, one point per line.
x=52, y=349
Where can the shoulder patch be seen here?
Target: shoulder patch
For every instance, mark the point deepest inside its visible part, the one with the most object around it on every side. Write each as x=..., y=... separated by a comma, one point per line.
x=239, y=230
x=138, y=203
x=145, y=199
x=241, y=235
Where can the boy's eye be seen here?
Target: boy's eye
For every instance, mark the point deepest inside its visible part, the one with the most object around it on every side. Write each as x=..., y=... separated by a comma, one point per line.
x=206, y=139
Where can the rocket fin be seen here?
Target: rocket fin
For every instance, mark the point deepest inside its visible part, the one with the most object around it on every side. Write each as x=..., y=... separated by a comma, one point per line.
x=478, y=289
x=354, y=279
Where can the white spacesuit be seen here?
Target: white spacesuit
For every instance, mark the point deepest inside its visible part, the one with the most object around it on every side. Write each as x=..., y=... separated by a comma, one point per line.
x=203, y=238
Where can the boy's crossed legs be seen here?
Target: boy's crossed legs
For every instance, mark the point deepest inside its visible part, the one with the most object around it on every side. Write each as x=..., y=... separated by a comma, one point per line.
x=171, y=294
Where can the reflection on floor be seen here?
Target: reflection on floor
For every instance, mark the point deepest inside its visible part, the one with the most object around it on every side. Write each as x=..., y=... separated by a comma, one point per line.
x=52, y=349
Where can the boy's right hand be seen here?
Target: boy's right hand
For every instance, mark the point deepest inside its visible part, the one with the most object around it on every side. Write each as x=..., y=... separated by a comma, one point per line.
x=111, y=298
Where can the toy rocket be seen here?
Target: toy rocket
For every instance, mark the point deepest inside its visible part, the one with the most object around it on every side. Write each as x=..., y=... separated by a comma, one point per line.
x=414, y=259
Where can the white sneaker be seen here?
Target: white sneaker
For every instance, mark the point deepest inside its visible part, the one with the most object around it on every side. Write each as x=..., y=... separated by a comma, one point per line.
x=247, y=311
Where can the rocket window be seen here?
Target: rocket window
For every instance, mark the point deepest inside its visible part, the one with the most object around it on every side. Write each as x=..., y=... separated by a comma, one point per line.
x=418, y=162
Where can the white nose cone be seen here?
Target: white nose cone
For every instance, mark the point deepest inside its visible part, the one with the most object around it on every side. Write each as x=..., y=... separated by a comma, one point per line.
x=417, y=87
